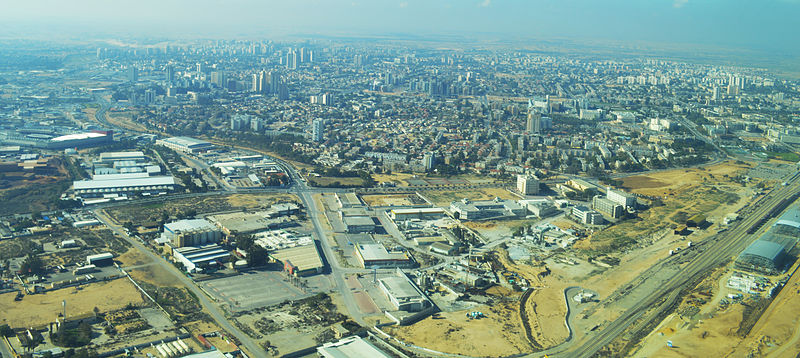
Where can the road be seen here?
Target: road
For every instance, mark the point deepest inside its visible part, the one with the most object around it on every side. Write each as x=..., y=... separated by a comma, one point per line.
x=663, y=296
x=252, y=347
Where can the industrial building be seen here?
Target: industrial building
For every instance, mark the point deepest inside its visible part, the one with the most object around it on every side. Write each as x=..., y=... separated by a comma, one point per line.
x=192, y=232
x=241, y=223
x=770, y=253
x=120, y=185
x=466, y=209
x=103, y=259
x=185, y=144
x=403, y=293
x=527, y=184
x=198, y=258
x=607, y=207
x=350, y=347
x=542, y=208
x=348, y=200
x=586, y=215
x=359, y=224
x=81, y=140
x=620, y=197
x=302, y=260
x=416, y=214
x=111, y=157
x=377, y=256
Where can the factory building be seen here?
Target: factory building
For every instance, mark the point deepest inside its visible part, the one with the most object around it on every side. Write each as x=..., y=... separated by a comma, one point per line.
x=527, y=184
x=193, y=232
x=302, y=260
x=416, y=214
x=359, y=224
x=199, y=258
x=242, y=223
x=542, y=208
x=466, y=209
x=111, y=157
x=403, y=293
x=620, y=197
x=123, y=184
x=350, y=347
x=348, y=200
x=377, y=256
x=186, y=144
x=81, y=140
x=607, y=207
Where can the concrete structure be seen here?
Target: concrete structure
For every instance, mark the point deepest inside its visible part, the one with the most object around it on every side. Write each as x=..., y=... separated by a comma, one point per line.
x=377, y=256
x=348, y=200
x=103, y=259
x=586, y=215
x=359, y=224
x=607, y=207
x=527, y=184
x=497, y=208
x=111, y=157
x=198, y=258
x=443, y=248
x=403, y=293
x=622, y=198
x=416, y=213
x=300, y=260
x=185, y=144
x=193, y=232
x=241, y=223
x=318, y=130
x=350, y=347
x=143, y=184
x=542, y=208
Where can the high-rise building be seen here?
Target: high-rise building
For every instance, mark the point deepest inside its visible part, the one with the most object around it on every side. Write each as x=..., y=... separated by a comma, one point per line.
x=291, y=60
x=254, y=83
x=169, y=74
x=327, y=99
x=133, y=74
x=530, y=125
x=429, y=160
x=317, y=130
x=150, y=96
x=527, y=184
x=283, y=92
x=218, y=78
x=274, y=81
x=620, y=197
x=715, y=95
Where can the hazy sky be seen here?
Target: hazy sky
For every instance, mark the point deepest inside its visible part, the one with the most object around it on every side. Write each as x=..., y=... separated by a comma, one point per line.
x=753, y=24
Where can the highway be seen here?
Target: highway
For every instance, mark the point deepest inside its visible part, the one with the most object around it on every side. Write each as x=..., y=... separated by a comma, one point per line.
x=721, y=248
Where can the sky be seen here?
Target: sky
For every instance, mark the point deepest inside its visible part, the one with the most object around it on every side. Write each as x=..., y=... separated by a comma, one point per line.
x=771, y=25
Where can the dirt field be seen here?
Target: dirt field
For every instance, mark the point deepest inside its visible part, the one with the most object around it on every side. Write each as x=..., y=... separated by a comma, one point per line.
x=397, y=178
x=124, y=120
x=133, y=257
x=672, y=182
x=387, y=200
x=499, y=334
x=444, y=198
x=331, y=181
x=154, y=275
x=40, y=309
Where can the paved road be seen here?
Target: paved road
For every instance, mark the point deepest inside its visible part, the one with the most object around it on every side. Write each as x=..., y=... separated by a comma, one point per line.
x=251, y=346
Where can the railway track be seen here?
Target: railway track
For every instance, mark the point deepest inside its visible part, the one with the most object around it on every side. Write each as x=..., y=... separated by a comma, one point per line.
x=724, y=246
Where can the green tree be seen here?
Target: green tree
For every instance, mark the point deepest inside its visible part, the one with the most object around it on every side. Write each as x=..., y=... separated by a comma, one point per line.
x=32, y=265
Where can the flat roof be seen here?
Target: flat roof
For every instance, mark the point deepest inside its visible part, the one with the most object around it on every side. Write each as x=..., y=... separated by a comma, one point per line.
x=350, y=347
x=189, y=225
x=123, y=183
x=105, y=255
x=401, y=288
x=418, y=211
x=187, y=142
x=376, y=252
x=119, y=176
x=358, y=221
x=304, y=257
x=241, y=222
x=117, y=155
x=77, y=136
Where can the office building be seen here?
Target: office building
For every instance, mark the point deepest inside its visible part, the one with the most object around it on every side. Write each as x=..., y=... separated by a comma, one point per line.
x=430, y=160
x=620, y=197
x=169, y=74
x=527, y=184
x=607, y=207
x=373, y=255
x=586, y=215
x=133, y=74
x=466, y=209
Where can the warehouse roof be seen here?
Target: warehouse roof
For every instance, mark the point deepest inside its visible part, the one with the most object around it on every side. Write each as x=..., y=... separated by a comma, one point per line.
x=189, y=225
x=766, y=249
x=123, y=183
x=187, y=142
x=304, y=257
x=77, y=136
x=350, y=347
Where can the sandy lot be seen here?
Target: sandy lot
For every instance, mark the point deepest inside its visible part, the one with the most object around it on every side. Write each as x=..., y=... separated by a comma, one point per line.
x=155, y=275
x=387, y=200
x=444, y=198
x=40, y=309
x=499, y=334
x=672, y=181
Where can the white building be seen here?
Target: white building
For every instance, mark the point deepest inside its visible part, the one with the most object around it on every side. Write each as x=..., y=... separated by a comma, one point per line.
x=527, y=184
x=194, y=232
x=620, y=197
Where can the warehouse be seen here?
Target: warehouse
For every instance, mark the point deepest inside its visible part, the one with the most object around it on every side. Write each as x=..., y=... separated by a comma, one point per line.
x=111, y=157
x=359, y=224
x=770, y=253
x=403, y=293
x=241, y=223
x=193, y=232
x=348, y=200
x=350, y=347
x=197, y=259
x=377, y=256
x=81, y=140
x=103, y=259
x=419, y=213
x=98, y=187
x=299, y=260
x=185, y=144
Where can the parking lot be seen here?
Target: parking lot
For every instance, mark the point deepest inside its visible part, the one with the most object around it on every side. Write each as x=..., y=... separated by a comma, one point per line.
x=256, y=289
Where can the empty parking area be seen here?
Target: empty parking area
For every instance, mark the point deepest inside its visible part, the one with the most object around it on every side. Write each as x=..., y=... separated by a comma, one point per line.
x=252, y=290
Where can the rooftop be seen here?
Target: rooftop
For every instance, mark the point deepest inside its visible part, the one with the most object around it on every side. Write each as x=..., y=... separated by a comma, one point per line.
x=304, y=257
x=189, y=225
x=350, y=347
x=123, y=183
x=77, y=136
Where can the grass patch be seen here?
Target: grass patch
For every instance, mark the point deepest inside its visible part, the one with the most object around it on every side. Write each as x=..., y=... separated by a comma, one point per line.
x=785, y=156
